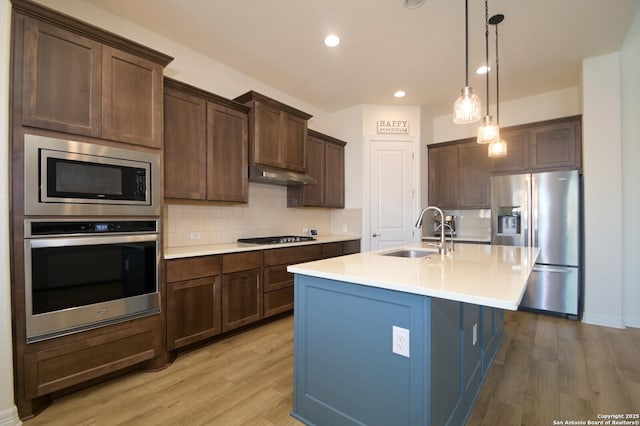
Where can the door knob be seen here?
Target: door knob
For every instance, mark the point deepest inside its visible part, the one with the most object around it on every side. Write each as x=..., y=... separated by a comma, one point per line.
x=376, y=235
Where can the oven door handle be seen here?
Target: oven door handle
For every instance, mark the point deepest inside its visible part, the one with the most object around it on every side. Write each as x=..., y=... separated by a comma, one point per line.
x=42, y=242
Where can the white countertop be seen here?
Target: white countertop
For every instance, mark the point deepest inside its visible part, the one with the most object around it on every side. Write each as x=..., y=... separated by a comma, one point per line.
x=488, y=275
x=222, y=248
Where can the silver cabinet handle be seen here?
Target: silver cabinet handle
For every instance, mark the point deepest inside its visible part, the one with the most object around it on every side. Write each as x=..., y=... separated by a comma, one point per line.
x=376, y=235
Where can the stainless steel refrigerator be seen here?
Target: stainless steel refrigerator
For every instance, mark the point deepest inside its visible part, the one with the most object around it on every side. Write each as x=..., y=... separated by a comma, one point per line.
x=543, y=210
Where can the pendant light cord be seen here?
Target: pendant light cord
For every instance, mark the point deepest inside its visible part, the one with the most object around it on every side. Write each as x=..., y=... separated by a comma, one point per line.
x=486, y=48
x=497, y=81
x=466, y=43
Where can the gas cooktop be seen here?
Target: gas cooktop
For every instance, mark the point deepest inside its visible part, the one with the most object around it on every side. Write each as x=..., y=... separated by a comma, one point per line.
x=280, y=239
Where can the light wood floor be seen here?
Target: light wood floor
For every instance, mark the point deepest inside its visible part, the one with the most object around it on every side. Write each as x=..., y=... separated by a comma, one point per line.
x=546, y=369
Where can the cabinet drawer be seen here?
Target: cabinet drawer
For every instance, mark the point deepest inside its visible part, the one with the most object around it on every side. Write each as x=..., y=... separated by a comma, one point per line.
x=351, y=247
x=291, y=255
x=331, y=250
x=241, y=261
x=278, y=301
x=193, y=267
x=59, y=367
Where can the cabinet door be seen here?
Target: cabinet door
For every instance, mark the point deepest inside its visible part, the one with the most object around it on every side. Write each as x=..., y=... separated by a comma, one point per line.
x=334, y=175
x=443, y=176
x=61, y=78
x=241, y=298
x=131, y=99
x=517, y=158
x=473, y=186
x=266, y=134
x=227, y=157
x=193, y=311
x=555, y=146
x=185, y=166
x=293, y=141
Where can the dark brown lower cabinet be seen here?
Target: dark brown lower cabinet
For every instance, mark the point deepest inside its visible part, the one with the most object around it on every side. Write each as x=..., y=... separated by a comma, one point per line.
x=59, y=367
x=209, y=295
x=193, y=311
x=193, y=300
x=241, y=298
x=241, y=289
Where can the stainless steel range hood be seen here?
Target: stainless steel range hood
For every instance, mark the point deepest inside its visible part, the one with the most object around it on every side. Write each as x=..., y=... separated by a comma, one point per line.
x=275, y=176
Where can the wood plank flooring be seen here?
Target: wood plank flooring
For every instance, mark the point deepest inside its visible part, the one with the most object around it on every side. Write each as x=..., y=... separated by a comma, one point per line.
x=546, y=369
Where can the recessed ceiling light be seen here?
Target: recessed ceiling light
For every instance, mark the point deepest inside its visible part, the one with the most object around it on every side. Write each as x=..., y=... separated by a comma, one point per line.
x=412, y=4
x=483, y=70
x=400, y=94
x=332, y=40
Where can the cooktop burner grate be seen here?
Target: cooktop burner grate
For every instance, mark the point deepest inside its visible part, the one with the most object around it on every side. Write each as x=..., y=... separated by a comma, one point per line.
x=280, y=239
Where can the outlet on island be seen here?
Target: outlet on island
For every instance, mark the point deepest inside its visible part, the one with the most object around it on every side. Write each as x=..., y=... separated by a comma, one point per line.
x=400, y=344
x=194, y=235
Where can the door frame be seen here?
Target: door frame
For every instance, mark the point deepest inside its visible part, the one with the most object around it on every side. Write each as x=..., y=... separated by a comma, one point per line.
x=366, y=183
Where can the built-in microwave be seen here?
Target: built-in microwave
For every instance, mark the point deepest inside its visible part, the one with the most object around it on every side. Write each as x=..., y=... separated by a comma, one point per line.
x=65, y=177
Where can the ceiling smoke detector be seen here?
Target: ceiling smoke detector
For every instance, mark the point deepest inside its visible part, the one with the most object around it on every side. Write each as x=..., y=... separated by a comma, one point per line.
x=412, y=4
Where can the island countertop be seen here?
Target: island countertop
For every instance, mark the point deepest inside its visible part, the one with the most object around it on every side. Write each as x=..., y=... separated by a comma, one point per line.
x=487, y=275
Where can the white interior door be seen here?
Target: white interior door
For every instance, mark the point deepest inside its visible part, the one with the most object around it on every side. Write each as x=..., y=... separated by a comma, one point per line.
x=391, y=194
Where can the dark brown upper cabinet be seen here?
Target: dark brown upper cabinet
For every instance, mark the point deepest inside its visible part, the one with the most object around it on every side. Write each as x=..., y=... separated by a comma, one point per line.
x=206, y=145
x=78, y=79
x=277, y=133
x=548, y=145
x=325, y=163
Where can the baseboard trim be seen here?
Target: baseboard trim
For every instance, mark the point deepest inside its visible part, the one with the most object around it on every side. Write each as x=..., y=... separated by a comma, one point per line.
x=9, y=417
x=632, y=322
x=613, y=321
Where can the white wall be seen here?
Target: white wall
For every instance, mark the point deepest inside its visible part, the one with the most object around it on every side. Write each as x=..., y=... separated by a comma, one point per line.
x=602, y=156
x=8, y=411
x=630, y=61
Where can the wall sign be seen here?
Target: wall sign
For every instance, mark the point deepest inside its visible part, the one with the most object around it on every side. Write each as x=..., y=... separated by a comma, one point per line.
x=393, y=126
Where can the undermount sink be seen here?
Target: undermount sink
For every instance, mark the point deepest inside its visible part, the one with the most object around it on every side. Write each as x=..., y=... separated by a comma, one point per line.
x=413, y=253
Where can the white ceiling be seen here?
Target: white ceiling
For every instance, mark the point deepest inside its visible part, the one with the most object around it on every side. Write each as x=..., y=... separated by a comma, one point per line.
x=386, y=46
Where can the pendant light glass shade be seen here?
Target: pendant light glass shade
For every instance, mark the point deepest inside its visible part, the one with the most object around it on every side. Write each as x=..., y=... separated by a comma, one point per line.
x=488, y=131
x=467, y=107
x=498, y=149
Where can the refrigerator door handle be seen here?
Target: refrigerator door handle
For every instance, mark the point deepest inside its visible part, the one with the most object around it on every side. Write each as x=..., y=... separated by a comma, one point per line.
x=534, y=212
x=556, y=269
x=525, y=213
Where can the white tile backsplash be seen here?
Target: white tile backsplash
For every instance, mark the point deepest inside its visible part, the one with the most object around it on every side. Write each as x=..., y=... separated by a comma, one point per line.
x=265, y=214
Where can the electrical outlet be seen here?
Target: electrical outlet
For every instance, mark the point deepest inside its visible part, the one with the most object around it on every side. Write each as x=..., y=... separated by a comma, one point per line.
x=195, y=236
x=305, y=231
x=401, y=341
x=475, y=334
x=345, y=229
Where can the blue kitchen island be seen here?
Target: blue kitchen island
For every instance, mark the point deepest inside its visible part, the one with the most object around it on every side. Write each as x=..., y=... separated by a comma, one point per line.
x=388, y=340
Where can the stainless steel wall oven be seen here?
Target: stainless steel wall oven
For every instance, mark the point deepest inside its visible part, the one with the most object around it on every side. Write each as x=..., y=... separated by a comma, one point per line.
x=82, y=274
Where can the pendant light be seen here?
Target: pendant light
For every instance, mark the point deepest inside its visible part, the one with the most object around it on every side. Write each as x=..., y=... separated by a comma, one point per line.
x=499, y=147
x=487, y=132
x=467, y=107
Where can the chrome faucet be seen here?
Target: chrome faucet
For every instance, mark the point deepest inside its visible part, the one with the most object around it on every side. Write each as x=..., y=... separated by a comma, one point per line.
x=442, y=246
